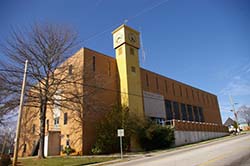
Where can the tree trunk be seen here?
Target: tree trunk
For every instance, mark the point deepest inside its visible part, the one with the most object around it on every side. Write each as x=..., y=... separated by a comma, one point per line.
x=42, y=128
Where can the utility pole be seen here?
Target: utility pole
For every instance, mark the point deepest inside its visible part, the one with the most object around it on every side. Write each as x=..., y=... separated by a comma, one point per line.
x=20, y=115
x=234, y=111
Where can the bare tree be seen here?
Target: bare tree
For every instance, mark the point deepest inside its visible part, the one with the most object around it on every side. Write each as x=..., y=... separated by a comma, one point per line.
x=46, y=47
x=244, y=114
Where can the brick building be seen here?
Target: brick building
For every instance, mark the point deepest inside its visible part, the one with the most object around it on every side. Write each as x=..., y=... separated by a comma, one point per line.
x=108, y=81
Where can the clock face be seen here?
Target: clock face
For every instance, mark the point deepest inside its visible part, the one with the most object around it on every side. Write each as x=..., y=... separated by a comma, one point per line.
x=132, y=37
x=118, y=38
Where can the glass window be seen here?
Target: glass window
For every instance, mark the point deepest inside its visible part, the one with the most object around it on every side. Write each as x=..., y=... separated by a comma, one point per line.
x=56, y=122
x=201, y=114
x=183, y=112
x=133, y=69
x=70, y=69
x=109, y=69
x=190, y=113
x=47, y=124
x=176, y=110
x=93, y=63
x=65, y=119
x=147, y=80
x=196, y=114
x=33, y=128
x=180, y=90
x=168, y=110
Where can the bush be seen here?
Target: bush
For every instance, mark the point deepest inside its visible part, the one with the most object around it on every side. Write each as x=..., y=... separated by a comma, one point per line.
x=68, y=150
x=154, y=136
x=5, y=160
x=107, y=140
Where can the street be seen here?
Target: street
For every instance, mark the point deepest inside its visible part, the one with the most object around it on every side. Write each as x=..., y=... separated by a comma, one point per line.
x=230, y=152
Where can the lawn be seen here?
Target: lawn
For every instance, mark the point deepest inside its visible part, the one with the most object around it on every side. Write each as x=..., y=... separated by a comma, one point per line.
x=64, y=161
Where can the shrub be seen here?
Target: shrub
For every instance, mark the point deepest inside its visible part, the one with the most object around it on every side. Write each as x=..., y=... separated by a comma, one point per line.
x=5, y=160
x=107, y=140
x=154, y=136
x=68, y=150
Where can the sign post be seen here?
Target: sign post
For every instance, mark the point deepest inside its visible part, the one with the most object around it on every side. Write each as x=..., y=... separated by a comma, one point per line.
x=120, y=133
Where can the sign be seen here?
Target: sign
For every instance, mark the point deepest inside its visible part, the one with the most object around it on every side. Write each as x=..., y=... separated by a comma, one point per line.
x=120, y=132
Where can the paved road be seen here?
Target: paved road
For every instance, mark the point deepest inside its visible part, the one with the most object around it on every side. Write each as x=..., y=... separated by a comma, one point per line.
x=230, y=152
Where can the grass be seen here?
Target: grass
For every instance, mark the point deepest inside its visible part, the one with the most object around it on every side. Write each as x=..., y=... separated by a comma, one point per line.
x=64, y=161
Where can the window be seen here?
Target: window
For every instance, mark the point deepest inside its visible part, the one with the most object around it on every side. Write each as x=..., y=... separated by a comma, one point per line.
x=166, y=86
x=183, y=112
x=133, y=69
x=173, y=89
x=159, y=121
x=47, y=122
x=33, y=128
x=187, y=92
x=180, y=90
x=176, y=110
x=196, y=114
x=93, y=64
x=56, y=122
x=193, y=94
x=147, y=80
x=132, y=51
x=24, y=148
x=109, y=69
x=168, y=110
x=190, y=113
x=70, y=69
x=157, y=83
x=207, y=100
x=201, y=115
x=65, y=118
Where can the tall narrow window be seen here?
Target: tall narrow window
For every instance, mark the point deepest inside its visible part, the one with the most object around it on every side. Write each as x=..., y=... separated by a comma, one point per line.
x=190, y=113
x=147, y=83
x=93, y=64
x=196, y=114
x=180, y=90
x=47, y=122
x=70, y=69
x=157, y=83
x=56, y=122
x=173, y=89
x=166, y=86
x=168, y=110
x=183, y=112
x=187, y=92
x=65, y=119
x=201, y=115
x=109, y=69
x=193, y=94
x=33, y=129
x=176, y=110
x=133, y=69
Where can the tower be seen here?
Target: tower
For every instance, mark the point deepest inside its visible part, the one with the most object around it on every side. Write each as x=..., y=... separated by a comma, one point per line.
x=126, y=44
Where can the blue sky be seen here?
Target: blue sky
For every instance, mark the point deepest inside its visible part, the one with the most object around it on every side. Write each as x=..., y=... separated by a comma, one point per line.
x=204, y=43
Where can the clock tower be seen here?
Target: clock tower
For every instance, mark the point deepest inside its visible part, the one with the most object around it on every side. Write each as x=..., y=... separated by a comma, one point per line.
x=126, y=44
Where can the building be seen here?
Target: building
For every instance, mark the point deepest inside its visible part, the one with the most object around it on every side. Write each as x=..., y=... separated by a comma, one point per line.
x=109, y=81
